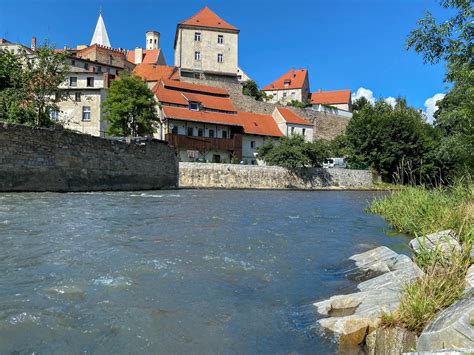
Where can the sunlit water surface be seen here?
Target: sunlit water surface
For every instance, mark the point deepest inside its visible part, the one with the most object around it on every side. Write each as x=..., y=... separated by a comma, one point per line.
x=185, y=271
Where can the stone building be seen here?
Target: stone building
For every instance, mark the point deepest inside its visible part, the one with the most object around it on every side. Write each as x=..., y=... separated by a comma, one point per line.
x=16, y=48
x=293, y=85
x=152, y=54
x=339, y=99
x=206, y=47
x=290, y=123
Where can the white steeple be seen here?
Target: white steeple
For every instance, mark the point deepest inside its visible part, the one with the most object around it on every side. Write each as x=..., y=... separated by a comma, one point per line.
x=100, y=34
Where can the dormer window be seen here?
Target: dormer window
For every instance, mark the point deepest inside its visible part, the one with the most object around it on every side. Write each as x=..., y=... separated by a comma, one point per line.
x=197, y=36
x=194, y=106
x=287, y=83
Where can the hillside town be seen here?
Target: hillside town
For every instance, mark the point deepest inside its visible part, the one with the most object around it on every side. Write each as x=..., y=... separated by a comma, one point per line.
x=202, y=110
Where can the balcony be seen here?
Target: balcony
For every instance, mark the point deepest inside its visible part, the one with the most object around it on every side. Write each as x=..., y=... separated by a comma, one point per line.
x=206, y=143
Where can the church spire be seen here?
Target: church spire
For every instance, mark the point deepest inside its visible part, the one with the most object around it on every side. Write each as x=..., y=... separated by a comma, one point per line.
x=100, y=34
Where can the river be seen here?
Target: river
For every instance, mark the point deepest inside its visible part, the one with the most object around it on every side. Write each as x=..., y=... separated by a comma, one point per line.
x=183, y=271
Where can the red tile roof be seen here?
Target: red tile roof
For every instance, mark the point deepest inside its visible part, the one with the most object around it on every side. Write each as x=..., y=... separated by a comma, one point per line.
x=331, y=97
x=207, y=18
x=262, y=125
x=290, y=117
x=177, y=97
x=149, y=56
x=184, y=114
x=295, y=79
x=155, y=72
x=196, y=87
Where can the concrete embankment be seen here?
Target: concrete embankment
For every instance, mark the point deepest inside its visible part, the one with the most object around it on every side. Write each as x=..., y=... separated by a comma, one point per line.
x=39, y=159
x=232, y=176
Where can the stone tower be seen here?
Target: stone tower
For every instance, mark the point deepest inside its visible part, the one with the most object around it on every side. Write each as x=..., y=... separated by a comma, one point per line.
x=152, y=40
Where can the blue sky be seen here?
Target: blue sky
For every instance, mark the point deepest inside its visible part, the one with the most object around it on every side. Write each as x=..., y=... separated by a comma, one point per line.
x=345, y=44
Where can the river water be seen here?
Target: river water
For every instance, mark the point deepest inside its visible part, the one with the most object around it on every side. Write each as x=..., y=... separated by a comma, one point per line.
x=184, y=271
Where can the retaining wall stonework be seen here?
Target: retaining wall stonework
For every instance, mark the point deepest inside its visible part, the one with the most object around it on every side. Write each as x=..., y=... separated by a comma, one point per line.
x=59, y=160
x=232, y=176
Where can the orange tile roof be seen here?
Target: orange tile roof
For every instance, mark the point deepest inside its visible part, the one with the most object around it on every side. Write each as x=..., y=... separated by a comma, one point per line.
x=262, y=125
x=184, y=114
x=176, y=97
x=331, y=97
x=149, y=56
x=290, y=117
x=196, y=87
x=295, y=79
x=207, y=18
x=155, y=72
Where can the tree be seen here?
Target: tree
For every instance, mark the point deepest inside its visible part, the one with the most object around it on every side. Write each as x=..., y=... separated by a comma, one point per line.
x=452, y=41
x=298, y=104
x=317, y=151
x=250, y=88
x=385, y=138
x=130, y=108
x=30, y=85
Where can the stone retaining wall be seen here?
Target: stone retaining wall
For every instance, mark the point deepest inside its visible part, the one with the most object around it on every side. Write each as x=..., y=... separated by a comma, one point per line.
x=231, y=176
x=59, y=160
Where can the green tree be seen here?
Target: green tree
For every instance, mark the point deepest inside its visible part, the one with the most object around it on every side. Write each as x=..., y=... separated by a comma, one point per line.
x=299, y=104
x=452, y=41
x=289, y=152
x=30, y=85
x=250, y=88
x=386, y=138
x=317, y=151
x=130, y=108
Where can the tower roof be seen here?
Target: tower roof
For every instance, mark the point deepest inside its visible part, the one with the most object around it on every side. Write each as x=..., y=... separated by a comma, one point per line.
x=207, y=18
x=100, y=34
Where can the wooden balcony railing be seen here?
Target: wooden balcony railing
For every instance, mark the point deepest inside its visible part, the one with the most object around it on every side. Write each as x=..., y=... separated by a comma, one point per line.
x=233, y=145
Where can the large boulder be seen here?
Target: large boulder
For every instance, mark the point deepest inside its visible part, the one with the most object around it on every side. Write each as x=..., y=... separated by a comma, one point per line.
x=445, y=241
x=453, y=328
x=390, y=341
x=351, y=317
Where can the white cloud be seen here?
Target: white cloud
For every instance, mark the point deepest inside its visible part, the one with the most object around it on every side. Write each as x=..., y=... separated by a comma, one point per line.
x=391, y=101
x=431, y=106
x=363, y=92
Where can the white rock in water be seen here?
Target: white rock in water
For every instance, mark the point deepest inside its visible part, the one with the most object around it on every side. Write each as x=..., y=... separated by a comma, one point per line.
x=446, y=242
x=451, y=329
x=350, y=317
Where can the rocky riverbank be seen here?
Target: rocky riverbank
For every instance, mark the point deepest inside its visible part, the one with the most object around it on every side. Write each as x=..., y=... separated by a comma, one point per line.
x=356, y=319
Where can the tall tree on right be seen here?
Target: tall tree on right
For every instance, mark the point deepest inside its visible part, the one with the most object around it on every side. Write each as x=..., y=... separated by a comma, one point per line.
x=452, y=41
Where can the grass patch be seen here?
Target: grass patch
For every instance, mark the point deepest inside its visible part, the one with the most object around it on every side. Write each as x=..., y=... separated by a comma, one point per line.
x=418, y=211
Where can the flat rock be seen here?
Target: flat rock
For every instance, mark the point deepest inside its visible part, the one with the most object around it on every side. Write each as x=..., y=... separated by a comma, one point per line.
x=453, y=328
x=446, y=242
x=351, y=317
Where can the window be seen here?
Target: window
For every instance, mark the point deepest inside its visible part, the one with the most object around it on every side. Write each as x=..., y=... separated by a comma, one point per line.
x=86, y=113
x=155, y=41
x=86, y=66
x=77, y=97
x=190, y=131
x=151, y=40
x=197, y=55
x=224, y=134
x=286, y=83
x=284, y=95
x=304, y=131
x=220, y=39
x=200, y=132
x=90, y=81
x=292, y=130
x=220, y=58
x=99, y=69
x=194, y=106
x=216, y=158
x=211, y=133
x=174, y=129
x=53, y=114
x=293, y=94
x=73, y=81
x=73, y=62
x=197, y=36
x=252, y=144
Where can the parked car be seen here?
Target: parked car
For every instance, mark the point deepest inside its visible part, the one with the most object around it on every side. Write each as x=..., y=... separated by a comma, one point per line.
x=335, y=163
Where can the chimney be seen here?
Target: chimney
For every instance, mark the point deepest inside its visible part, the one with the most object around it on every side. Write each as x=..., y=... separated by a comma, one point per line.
x=33, y=43
x=138, y=55
x=319, y=89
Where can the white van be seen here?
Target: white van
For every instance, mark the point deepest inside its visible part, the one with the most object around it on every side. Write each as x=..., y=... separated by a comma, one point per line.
x=335, y=163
